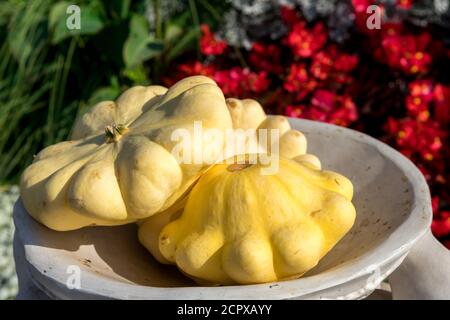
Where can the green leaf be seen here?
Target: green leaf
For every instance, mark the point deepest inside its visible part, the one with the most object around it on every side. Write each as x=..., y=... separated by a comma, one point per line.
x=122, y=7
x=173, y=32
x=104, y=94
x=138, y=75
x=140, y=45
x=212, y=10
x=90, y=18
x=57, y=13
x=176, y=26
x=187, y=40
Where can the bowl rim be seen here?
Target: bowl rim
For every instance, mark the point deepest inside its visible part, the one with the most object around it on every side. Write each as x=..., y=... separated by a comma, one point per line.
x=397, y=244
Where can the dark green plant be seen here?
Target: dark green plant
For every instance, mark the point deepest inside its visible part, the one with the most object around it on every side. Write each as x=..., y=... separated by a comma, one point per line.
x=50, y=74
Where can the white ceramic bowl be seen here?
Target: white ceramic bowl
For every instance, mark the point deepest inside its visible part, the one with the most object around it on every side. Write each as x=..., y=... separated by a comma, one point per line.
x=393, y=211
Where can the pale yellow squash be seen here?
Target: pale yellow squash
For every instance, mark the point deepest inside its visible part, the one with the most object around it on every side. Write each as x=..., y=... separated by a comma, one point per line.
x=119, y=165
x=239, y=226
x=248, y=114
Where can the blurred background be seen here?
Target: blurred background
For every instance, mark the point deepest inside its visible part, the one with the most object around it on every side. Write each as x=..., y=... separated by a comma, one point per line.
x=314, y=59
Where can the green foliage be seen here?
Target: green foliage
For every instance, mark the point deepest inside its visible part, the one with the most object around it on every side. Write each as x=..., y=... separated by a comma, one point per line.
x=91, y=20
x=49, y=74
x=140, y=45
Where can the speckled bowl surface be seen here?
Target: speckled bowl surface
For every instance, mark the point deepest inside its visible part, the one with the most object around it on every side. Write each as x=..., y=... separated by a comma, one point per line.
x=393, y=211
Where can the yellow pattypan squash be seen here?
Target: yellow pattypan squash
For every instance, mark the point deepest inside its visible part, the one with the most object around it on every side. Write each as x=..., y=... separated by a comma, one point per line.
x=118, y=166
x=239, y=226
x=245, y=114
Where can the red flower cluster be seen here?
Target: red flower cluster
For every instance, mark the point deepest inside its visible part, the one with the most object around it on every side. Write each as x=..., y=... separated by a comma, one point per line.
x=441, y=226
x=305, y=42
x=209, y=45
x=360, y=8
x=441, y=98
x=419, y=99
x=266, y=57
x=441, y=221
x=422, y=133
x=333, y=65
x=328, y=107
x=240, y=82
x=306, y=75
x=405, y=4
x=417, y=138
x=408, y=53
x=299, y=82
x=423, y=137
x=319, y=76
x=394, y=44
x=313, y=71
x=189, y=69
x=234, y=82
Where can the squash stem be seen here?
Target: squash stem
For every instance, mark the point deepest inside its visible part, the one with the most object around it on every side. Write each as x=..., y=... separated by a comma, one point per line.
x=114, y=132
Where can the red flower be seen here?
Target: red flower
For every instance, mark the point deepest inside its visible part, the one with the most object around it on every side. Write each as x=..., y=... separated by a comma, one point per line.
x=422, y=88
x=294, y=111
x=298, y=81
x=289, y=15
x=266, y=57
x=415, y=62
x=418, y=101
x=361, y=15
x=239, y=82
x=441, y=96
x=391, y=29
x=305, y=42
x=346, y=114
x=346, y=62
x=417, y=138
x=417, y=108
x=189, y=69
x=407, y=52
x=258, y=82
x=322, y=65
x=360, y=6
x=196, y=68
x=324, y=100
x=328, y=107
x=333, y=64
x=209, y=45
x=441, y=227
x=435, y=205
x=405, y=4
